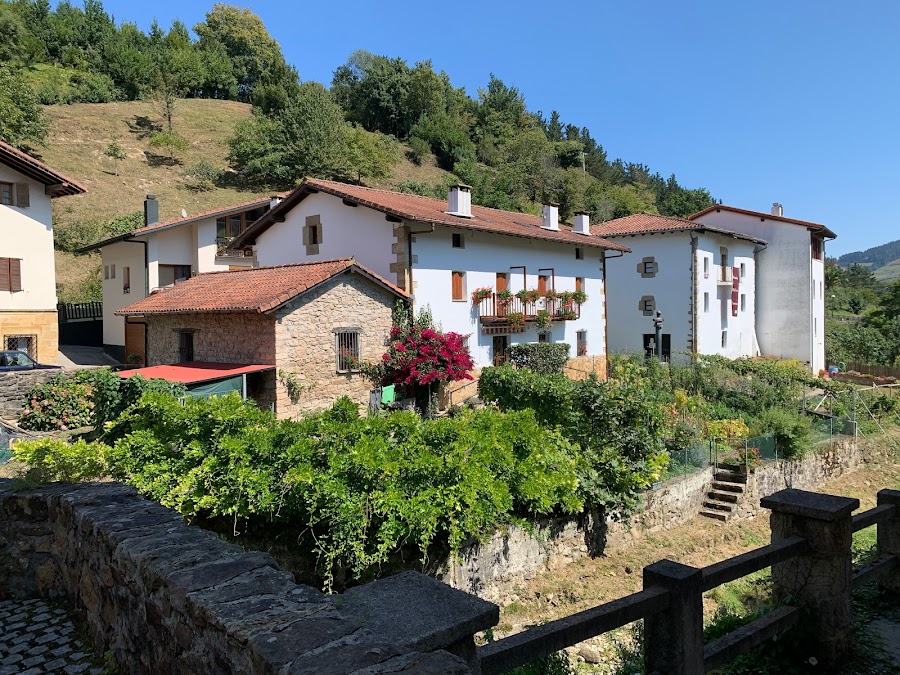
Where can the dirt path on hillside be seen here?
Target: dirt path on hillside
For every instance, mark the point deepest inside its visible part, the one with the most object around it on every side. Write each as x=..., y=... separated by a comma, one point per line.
x=699, y=542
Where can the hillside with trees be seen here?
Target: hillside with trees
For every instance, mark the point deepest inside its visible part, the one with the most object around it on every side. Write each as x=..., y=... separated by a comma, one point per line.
x=200, y=115
x=883, y=261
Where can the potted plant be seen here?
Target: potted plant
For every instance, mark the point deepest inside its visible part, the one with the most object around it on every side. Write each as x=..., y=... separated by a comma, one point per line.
x=551, y=295
x=480, y=294
x=579, y=297
x=528, y=297
x=568, y=314
x=543, y=319
x=516, y=319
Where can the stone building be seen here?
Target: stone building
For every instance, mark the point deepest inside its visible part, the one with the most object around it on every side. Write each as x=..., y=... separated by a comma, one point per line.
x=308, y=321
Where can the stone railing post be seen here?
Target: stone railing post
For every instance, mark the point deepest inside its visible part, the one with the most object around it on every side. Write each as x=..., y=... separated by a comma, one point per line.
x=820, y=578
x=673, y=639
x=889, y=536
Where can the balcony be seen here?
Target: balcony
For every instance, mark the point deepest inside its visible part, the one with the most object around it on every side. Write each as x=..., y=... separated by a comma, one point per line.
x=496, y=311
x=224, y=250
x=725, y=275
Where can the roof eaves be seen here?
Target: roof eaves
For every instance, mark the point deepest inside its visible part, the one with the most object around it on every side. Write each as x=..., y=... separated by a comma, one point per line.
x=33, y=168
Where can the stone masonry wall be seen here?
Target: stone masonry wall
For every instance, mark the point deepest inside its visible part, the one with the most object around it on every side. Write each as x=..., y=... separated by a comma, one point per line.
x=305, y=341
x=166, y=597
x=493, y=568
x=242, y=337
x=14, y=387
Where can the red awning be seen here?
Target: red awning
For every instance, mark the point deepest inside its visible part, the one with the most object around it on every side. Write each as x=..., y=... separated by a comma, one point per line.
x=192, y=372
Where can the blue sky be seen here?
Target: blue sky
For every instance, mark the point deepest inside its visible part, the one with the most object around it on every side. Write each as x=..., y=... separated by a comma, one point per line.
x=792, y=101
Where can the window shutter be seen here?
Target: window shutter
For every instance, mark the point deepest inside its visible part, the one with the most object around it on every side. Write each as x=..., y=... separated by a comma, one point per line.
x=15, y=275
x=23, y=198
x=457, y=286
x=4, y=274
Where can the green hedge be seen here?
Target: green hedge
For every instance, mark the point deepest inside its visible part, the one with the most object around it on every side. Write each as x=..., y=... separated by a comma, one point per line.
x=545, y=358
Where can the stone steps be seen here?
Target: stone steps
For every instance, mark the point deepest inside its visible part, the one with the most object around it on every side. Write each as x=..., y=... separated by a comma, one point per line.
x=731, y=476
x=715, y=515
x=728, y=488
x=730, y=497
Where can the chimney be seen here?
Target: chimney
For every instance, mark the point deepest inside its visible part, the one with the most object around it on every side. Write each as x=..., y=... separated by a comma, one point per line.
x=777, y=209
x=151, y=210
x=551, y=216
x=459, y=202
x=582, y=222
x=274, y=201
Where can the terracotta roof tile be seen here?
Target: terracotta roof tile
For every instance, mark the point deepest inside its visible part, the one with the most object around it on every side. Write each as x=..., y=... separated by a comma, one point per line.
x=257, y=290
x=33, y=168
x=428, y=210
x=650, y=223
x=818, y=227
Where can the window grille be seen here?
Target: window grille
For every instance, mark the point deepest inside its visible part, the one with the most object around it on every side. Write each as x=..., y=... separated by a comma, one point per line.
x=581, y=342
x=347, y=348
x=22, y=343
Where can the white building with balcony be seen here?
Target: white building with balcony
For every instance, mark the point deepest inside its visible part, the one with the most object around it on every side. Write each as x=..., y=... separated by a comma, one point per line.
x=790, y=300
x=159, y=254
x=466, y=263
x=701, y=279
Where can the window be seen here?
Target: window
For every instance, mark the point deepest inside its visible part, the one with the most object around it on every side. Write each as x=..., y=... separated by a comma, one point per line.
x=169, y=275
x=706, y=302
x=579, y=253
x=500, y=344
x=234, y=225
x=458, y=281
x=724, y=339
x=544, y=336
x=648, y=267
x=647, y=305
x=112, y=271
x=743, y=302
x=22, y=343
x=821, y=294
x=705, y=267
x=347, y=350
x=542, y=284
x=105, y=272
x=126, y=280
x=312, y=234
x=6, y=194
x=185, y=346
x=743, y=270
x=458, y=241
x=581, y=343
x=579, y=284
x=815, y=328
x=10, y=275
x=817, y=248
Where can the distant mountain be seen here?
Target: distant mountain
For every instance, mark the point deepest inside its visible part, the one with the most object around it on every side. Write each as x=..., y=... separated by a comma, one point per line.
x=875, y=257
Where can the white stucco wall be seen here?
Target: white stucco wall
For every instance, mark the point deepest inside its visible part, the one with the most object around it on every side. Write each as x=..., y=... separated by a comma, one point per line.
x=27, y=234
x=346, y=231
x=486, y=254
x=672, y=287
x=122, y=254
x=787, y=314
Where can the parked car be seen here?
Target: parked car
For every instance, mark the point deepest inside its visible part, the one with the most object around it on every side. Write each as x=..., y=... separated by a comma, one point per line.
x=10, y=361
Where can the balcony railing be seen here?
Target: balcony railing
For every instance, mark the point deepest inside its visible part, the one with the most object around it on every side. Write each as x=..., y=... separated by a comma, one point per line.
x=224, y=250
x=495, y=310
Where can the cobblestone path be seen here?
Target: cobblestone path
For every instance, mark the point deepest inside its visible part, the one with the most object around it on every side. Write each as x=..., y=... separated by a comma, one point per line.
x=37, y=638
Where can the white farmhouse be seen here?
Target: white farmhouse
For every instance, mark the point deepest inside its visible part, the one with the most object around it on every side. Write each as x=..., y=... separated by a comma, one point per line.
x=157, y=255
x=28, y=319
x=790, y=301
x=701, y=279
x=442, y=252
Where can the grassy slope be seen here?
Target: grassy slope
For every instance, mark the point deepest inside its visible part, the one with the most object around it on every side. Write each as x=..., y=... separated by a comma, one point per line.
x=80, y=133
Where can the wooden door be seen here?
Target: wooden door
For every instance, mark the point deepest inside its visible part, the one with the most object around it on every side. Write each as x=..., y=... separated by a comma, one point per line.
x=135, y=344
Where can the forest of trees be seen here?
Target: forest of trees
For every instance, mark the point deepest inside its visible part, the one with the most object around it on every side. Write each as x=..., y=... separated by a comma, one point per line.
x=351, y=130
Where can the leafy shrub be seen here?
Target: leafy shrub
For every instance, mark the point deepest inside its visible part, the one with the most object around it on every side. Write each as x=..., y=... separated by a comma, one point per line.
x=544, y=358
x=202, y=176
x=792, y=430
x=54, y=460
x=419, y=149
x=364, y=486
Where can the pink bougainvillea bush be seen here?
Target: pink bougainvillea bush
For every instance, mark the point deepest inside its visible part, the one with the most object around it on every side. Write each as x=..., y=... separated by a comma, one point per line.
x=422, y=356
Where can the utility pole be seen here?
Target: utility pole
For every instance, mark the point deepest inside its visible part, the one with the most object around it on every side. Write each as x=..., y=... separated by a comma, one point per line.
x=657, y=324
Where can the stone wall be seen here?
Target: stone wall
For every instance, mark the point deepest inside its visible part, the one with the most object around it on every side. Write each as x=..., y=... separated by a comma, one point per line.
x=305, y=342
x=581, y=367
x=43, y=325
x=14, y=387
x=241, y=337
x=166, y=597
x=492, y=568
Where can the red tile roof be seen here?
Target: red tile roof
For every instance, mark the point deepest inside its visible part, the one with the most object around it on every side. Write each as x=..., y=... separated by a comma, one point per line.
x=58, y=185
x=817, y=227
x=192, y=372
x=649, y=223
x=426, y=210
x=258, y=290
x=177, y=222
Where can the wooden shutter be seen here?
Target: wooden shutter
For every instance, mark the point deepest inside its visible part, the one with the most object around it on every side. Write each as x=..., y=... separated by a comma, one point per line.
x=15, y=275
x=501, y=281
x=457, y=285
x=4, y=274
x=579, y=284
x=542, y=284
x=23, y=198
